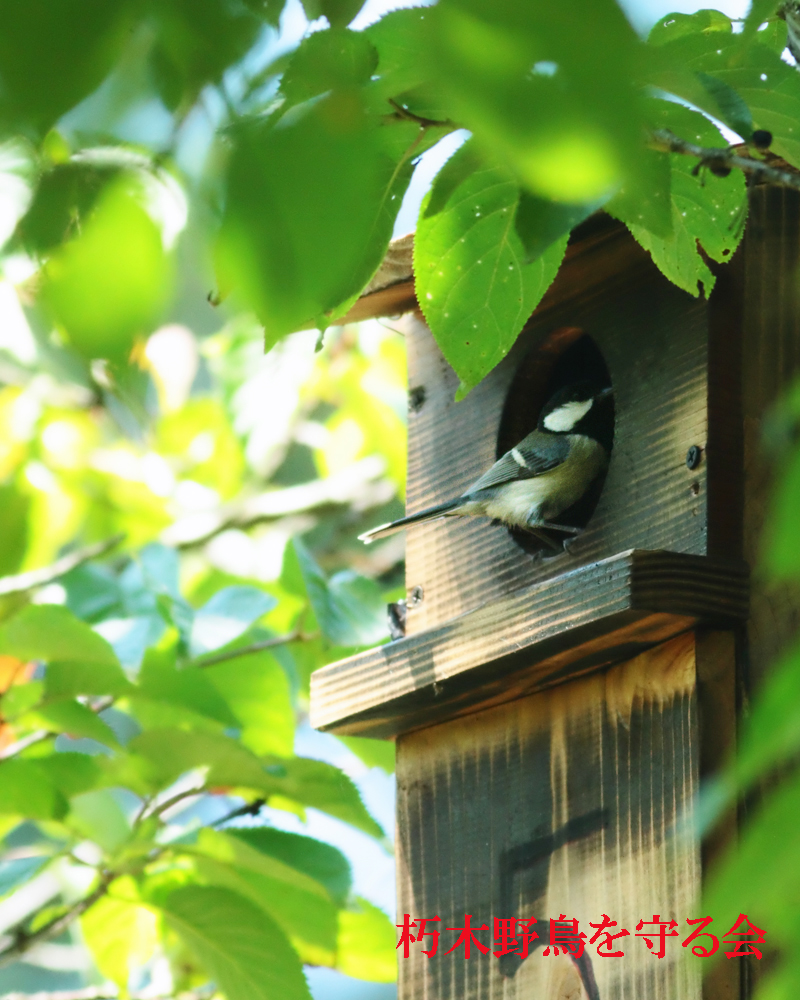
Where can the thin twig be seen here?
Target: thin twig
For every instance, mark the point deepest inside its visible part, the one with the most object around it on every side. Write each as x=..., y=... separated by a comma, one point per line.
x=249, y=809
x=255, y=647
x=40, y=577
x=419, y=119
x=24, y=941
x=709, y=156
x=27, y=741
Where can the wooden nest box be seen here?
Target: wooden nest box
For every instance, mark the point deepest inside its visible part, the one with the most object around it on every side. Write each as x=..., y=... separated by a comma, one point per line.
x=554, y=713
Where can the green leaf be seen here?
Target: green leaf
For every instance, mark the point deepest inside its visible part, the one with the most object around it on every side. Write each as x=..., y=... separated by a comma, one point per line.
x=256, y=690
x=762, y=877
x=374, y=753
x=322, y=862
x=121, y=936
x=14, y=540
x=50, y=632
x=18, y=871
x=53, y=53
x=474, y=288
x=244, y=951
x=300, y=905
x=400, y=38
x=160, y=680
x=349, y=608
x=323, y=786
x=66, y=679
x=328, y=60
x=535, y=86
x=709, y=210
x=71, y=773
x=539, y=222
x=20, y=698
x=98, y=816
x=367, y=944
x=66, y=715
x=302, y=202
x=226, y=615
x=733, y=109
x=675, y=26
x=26, y=790
x=646, y=199
x=760, y=11
x=111, y=282
x=338, y=12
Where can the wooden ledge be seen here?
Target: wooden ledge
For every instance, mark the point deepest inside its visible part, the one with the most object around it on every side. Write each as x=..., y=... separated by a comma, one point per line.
x=534, y=638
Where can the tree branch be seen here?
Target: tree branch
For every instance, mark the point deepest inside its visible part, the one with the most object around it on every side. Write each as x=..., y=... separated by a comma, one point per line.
x=254, y=647
x=22, y=941
x=723, y=158
x=39, y=577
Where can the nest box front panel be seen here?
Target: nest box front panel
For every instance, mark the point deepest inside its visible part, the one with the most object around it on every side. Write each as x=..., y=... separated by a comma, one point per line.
x=559, y=803
x=610, y=315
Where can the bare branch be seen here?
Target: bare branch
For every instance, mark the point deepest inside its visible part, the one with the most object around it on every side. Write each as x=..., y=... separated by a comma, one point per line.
x=39, y=577
x=22, y=942
x=361, y=486
x=724, y=158
x=27, y=741
x=254, y=647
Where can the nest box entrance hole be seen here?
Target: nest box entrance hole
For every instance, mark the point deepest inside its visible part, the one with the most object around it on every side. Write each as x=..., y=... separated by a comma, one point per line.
x=565, y=356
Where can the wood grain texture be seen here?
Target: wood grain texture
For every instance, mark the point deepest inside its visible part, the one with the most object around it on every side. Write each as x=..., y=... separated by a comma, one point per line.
x=532, y=639
x=562, y=802
x=655, y=341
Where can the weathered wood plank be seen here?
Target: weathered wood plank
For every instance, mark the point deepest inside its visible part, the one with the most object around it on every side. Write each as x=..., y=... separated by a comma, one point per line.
x=563, y=802
x=534, y=638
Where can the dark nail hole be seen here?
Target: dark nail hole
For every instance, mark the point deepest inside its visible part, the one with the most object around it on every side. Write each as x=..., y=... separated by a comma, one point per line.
x=416, y=398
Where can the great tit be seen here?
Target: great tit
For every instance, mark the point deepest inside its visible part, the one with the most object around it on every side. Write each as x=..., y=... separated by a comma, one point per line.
x=547, y=472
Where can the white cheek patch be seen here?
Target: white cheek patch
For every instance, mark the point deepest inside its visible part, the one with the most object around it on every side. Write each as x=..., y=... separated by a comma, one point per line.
x=566, y=416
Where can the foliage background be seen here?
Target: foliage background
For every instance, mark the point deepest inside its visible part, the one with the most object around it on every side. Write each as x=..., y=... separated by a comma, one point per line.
x=178, y=183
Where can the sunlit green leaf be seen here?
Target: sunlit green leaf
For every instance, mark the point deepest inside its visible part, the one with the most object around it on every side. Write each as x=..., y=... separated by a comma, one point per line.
x=367, y=944
x=71, y=773
x=14, y=539
x=244, y=951
x=120, y=935
x=160, y=680
x=226, y=615
x=303, y=199
x=67, y=715
x=710, y=210
x=25, y=790
x=98, y=816
x=472, y=281
x=328, y=60
x=321, y=861
x=110, y=283
x=676, y=25
x=50, y=632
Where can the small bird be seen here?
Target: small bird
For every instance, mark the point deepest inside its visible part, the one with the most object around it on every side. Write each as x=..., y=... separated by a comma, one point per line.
x=547, y=472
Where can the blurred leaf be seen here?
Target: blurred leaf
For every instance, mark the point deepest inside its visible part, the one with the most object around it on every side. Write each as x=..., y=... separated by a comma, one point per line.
x=202, y=443
x=322, y=862
x=256, y=690
x=92, y=591
x=782, y=531
x=66, y=715
x=328, y=60
x=71, y=773
x=197, y=43
x=711, y=212
x=21, y=698
x=674, y=26
x=374, y=753
x=734, y=111
x=50, y=632
x=762, y=878
x=535, y=87
x=110, y=283
x=66, y=679
x=14, y=539
x=338, y=12
x=121, y=937
x=367, y=942
x=98, y=816
x=646, y=198
x=399, y=37
x=160, y=680
x=303, y=199
x=349, y=608
x=472, y=282
x=244, y=951
x=25, y=790
x=227, y=615
x=18, y=871
x=53, y=53
x=172, y=752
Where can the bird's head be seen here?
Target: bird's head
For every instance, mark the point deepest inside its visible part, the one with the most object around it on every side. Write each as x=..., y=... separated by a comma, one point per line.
x=569, y=406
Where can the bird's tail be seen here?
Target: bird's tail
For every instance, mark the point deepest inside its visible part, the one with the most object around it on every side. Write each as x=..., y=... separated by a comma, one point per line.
x=430, y=514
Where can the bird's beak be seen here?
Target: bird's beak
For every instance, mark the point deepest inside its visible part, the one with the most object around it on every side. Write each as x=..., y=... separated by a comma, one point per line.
x=604, y=393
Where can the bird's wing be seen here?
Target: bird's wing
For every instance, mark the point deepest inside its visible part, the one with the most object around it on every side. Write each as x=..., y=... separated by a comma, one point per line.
x=536, y=454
